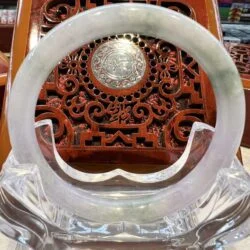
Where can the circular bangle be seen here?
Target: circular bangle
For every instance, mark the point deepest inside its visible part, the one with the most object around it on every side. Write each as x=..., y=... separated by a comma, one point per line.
x=106, y=21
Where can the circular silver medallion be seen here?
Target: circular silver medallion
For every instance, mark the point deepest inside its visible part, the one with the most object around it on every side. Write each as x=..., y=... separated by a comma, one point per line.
x=118, y=64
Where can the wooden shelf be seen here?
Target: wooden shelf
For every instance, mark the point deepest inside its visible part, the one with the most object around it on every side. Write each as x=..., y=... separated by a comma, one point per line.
x=234, y=23
x=6, y=26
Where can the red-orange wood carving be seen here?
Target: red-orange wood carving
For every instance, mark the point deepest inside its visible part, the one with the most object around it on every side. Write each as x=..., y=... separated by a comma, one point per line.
x=148, y=123
x=241, y=56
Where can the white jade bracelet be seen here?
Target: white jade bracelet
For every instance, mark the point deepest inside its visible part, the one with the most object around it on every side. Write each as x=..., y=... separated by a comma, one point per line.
x=146, y=20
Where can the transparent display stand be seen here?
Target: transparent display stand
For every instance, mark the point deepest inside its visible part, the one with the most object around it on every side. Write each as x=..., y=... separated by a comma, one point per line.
x=200, y=202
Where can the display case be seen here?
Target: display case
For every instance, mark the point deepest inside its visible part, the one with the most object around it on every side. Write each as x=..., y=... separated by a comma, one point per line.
x=235, y=19
x=7, y=19
x=235, y=11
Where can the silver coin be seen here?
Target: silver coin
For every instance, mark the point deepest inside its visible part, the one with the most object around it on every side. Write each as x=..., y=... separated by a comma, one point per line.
x=118, y=64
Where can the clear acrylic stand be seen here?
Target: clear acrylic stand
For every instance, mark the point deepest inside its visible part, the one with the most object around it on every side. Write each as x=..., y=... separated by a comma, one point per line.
x=219, y=217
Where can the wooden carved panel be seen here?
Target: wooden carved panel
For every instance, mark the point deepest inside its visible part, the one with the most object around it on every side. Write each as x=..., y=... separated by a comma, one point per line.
x=56, y=11
x=142, y=117
x=241, y=56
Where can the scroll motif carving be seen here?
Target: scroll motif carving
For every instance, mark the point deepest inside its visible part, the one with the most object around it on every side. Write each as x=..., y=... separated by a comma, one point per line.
x=240, y=54
x=56, y=11
x=155, y=113
x=172, y=85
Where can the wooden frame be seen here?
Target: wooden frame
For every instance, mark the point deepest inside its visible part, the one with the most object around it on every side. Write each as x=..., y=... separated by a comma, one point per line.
x=19, y=49
x=26, y=36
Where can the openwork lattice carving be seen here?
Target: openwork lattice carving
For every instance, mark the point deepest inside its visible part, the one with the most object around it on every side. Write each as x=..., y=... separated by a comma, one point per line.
x=56, y=11
x=154, y=114
x=241, y=56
